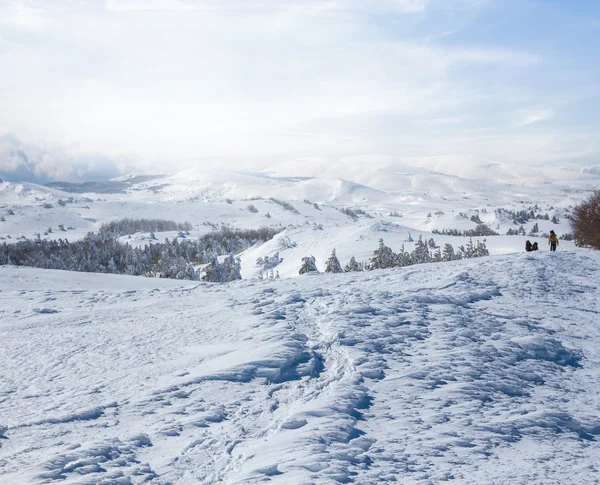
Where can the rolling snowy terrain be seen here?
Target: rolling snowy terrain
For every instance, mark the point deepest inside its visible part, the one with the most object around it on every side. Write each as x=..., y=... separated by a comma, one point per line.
x=476, y=371
x=389, y=199
x=479, y=371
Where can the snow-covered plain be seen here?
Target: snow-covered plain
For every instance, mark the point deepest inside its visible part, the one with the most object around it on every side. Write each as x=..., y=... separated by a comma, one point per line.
x=479, y=371
x=475, y=371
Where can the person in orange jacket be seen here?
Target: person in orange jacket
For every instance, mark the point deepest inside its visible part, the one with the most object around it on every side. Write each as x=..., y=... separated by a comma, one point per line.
x=553, y=241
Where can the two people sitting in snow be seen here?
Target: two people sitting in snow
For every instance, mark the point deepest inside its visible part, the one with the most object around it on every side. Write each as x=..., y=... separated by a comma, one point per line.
x=531, y=247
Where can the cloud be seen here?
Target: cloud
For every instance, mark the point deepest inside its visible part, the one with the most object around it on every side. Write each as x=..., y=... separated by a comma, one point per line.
x=529, y=117
x=407, y=6
x=33, y=163
x=187, y=80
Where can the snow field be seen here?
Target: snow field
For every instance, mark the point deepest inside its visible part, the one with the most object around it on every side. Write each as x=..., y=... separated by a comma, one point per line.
x=476, y=371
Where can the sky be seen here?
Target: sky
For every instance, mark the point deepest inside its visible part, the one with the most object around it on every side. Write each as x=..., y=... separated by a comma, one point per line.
x=90, y=89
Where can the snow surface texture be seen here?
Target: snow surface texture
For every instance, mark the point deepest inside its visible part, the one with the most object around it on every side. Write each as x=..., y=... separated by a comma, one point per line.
x=476, y=371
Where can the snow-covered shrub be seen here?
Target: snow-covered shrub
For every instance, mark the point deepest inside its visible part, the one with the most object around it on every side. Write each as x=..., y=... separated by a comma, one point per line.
x=284, y=242
x=285, y=205
x=252, y=208
x=534, y=230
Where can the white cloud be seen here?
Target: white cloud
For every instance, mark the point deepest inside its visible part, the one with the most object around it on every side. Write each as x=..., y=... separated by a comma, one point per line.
x=40, y=163
x=408, y=6
x=529, y=117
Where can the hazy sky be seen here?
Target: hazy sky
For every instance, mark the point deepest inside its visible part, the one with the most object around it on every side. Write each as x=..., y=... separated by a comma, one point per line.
x=155, y=81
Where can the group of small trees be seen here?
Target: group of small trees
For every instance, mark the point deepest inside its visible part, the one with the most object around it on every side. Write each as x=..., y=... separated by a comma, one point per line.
x=229, y=270
x=525, y=215
x=268, y=262
x=384, y=257
x=176, y=258
x=127, y=226
x=482, y=230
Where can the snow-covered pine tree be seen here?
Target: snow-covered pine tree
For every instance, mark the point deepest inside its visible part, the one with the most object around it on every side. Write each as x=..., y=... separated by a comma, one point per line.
x=383, y=257
x=309, y=265
x=448, y=254
x=333, y=264
x=421, y=252
x=469, y=250
x=353, y=265
x=481, y=250
x=215, y=272
x=402, y=258
x=233, y=268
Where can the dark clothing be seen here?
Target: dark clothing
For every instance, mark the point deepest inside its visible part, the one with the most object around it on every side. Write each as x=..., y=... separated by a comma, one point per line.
x=552, y=245
x=535, y=247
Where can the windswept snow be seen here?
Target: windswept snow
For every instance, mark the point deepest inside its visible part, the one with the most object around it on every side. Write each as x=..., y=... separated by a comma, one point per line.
x=476, y=371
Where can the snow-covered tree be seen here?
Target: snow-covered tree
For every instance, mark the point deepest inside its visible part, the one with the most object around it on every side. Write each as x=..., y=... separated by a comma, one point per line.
x=421, y=252
x=233, y=268
x=481, y=250
x=383, y=257
x=215, y=272
x=333, y=264
x=309, y=265
x=448, y=254
x=353, y=265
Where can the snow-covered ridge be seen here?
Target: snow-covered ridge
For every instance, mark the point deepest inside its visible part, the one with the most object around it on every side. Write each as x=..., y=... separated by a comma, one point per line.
x=477, y=371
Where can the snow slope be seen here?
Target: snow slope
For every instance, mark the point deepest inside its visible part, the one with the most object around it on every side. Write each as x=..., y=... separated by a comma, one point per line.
x=476, y=371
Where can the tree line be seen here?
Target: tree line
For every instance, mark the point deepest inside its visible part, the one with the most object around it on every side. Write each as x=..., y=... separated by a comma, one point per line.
x=384, y=257
x=176, y=258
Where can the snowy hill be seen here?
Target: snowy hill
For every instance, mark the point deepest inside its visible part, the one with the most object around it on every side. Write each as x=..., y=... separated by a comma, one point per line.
x=346, y=204
x=473, y=371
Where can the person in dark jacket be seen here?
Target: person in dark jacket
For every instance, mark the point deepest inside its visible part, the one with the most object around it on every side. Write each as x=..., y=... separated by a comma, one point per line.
x=535, y=247
x=528, y=246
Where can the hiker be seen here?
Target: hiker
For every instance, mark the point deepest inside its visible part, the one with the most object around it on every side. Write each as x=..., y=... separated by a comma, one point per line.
x=535, y=247
x=528, y=246
x=553, y=241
